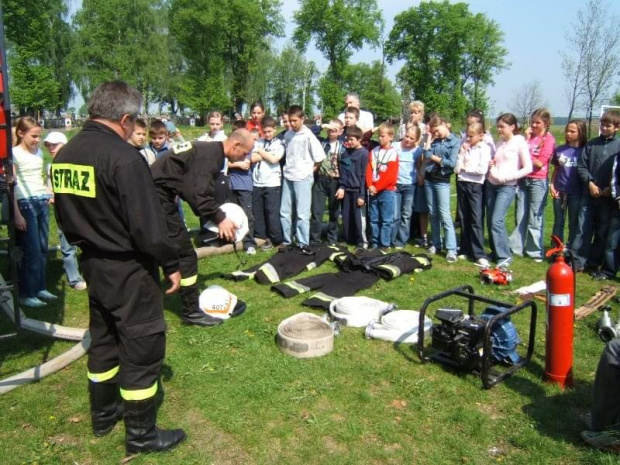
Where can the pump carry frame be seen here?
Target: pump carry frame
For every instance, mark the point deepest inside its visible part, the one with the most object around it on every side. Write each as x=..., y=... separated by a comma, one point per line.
x=489, y=376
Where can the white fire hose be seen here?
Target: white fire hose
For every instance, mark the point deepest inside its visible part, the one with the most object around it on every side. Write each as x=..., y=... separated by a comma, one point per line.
x=305, y=335
x=47, y=368
x=47, y=329
x=398, y=326
x=357, y=312
x=37, y=326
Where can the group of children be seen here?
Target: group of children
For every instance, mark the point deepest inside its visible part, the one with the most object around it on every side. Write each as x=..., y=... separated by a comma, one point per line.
x=289, y=180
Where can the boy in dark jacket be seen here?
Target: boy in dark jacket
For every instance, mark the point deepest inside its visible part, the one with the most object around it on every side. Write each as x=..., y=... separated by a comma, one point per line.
x=352, y=186
x=595, y=170
x=326, y=184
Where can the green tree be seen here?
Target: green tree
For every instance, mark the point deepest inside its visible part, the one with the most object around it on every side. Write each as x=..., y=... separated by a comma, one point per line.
x=129, y=46
x=483, y=57
x=33, y=86
x=259, y=83
x=376, y=91
x=293, y=80
x=39, y=38
x=331, y=96
x=450, y=55
x=339, y=28
x=221, y=43
x=167, y=88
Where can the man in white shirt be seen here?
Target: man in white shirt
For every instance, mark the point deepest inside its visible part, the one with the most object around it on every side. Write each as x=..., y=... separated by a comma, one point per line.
x=366, y=120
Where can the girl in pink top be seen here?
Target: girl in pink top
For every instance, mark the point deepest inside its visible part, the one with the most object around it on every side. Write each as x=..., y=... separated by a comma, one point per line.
x=528, y=235
x=511, y=162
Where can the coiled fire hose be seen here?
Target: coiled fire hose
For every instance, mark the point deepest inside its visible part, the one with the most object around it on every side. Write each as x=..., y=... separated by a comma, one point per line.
x=398, y=326
x=358, y=311
x=305, y=335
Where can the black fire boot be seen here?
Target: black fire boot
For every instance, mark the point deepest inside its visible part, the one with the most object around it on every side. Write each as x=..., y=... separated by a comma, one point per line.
x=141, y=433
x=192, y=315
x=106, y=407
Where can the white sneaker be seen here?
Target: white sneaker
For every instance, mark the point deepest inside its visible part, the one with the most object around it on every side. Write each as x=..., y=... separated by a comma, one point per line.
x=451, y=257
x=431, y=250
x=483, y=262
x=32, y=302
x=251, y=251
x=79, y=286
x=463, y=257
x=46, y=295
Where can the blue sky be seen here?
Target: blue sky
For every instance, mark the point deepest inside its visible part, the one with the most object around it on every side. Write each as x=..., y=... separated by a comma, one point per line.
x=534, y=34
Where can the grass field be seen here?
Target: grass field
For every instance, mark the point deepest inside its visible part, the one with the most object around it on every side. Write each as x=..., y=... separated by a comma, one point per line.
x=242, y=401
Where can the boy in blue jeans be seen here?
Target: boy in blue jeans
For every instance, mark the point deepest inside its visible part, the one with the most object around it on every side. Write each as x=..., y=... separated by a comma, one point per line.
x=267, y=180
x=303, y=155
x=381, y=177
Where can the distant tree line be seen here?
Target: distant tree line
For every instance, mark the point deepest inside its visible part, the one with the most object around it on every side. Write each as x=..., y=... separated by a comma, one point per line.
x=201, y=55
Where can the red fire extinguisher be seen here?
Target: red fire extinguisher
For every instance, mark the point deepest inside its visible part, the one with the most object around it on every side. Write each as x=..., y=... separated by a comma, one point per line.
x=560, y=318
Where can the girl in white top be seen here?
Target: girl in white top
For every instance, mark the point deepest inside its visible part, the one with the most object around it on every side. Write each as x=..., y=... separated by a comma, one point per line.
x=216, y=133
x=416, y=115
x=31, y=213
x=511, y=162
x=472, y=165
x=512, y=156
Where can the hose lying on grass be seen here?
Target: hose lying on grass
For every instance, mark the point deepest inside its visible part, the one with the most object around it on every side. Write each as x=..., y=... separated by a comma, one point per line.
x=47, y=368
x=47, y=329
x=305, y=335
x=398, y=326
x=358, y=311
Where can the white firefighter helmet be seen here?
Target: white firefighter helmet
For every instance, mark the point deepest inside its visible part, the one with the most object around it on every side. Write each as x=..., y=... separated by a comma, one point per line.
x=217, y=302
x=235, y=213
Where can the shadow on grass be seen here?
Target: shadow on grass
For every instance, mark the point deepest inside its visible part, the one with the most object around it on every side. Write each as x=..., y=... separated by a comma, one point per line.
x=556, y=415
x=408, y=351
x=36, y=347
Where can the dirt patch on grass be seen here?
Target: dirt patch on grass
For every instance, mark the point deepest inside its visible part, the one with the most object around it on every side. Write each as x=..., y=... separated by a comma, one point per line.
x=489, y=410
x=211, y=440
x=334, y=447
x=64, y=440
x=398, y=404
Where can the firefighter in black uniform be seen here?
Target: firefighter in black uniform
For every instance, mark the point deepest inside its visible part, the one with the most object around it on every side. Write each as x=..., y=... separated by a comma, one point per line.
x=190, y=170
x=105, y=202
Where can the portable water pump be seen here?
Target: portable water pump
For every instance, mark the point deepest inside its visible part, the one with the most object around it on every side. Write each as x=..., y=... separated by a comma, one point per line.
x=476, y=343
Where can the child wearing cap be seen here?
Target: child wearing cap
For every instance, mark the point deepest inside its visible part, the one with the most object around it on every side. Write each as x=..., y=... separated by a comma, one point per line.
x=54, y=142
